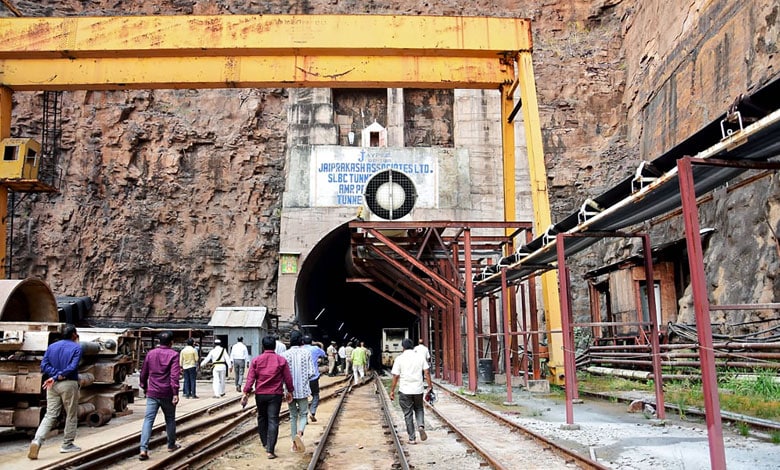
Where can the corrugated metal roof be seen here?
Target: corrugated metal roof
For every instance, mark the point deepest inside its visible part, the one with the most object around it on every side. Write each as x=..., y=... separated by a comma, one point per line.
x=238, y=317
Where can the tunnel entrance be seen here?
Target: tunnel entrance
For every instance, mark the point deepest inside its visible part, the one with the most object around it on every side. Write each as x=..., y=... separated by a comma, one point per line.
x=332, y=309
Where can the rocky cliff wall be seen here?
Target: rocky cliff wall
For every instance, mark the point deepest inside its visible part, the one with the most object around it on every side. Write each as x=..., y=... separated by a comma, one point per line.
x=170, y=200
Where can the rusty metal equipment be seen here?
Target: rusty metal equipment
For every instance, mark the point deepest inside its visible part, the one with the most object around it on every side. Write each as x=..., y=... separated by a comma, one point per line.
x=108, y=358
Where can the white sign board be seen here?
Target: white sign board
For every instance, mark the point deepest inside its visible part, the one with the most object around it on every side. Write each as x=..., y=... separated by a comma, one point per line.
x=339, y=174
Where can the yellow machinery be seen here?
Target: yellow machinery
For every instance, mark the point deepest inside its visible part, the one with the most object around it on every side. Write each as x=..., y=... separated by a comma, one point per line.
x=21, y=158
x=266, y=51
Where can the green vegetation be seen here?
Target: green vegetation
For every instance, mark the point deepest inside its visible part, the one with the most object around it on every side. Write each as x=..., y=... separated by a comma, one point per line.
x=757, y=396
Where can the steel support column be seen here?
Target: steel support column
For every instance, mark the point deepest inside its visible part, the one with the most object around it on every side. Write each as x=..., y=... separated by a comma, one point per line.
x=507, y=337
x=701, y=306
x=471, y=338
x=569, y=366
x=492, y=299
x=654, y=331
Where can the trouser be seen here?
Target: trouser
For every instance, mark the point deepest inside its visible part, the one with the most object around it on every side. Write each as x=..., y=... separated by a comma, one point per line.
x=412, y=406
x=299, y=407
x=238, y=368
x=169, y=412
x=62, y=394
x=331, y=365
x=218, y=374
x=359, y=372
x=268, y=407
x=315, y=395
x=190, y=374
x=349, y=368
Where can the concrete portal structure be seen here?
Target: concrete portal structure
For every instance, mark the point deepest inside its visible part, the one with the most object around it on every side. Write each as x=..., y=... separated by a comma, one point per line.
x=459, y=179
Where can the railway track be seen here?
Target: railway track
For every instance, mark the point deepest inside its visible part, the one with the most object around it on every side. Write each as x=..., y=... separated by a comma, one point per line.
x=356, y=414
x=203, y=434
x=502, y=443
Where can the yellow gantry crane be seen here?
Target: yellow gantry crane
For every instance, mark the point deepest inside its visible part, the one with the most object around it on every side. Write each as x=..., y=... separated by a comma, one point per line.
x=265, y=51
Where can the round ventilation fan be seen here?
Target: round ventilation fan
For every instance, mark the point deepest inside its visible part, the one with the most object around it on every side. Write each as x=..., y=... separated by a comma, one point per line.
x=390, y=194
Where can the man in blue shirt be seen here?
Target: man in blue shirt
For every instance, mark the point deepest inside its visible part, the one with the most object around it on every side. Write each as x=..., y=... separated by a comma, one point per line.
x=316, y=353
x=60, y=364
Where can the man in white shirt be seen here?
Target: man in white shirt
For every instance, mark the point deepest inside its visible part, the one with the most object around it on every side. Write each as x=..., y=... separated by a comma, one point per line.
x=222, y=364
x=408, y=371
x=239, y=354
x=343, y=357
x=280, y=347
x=423, y=351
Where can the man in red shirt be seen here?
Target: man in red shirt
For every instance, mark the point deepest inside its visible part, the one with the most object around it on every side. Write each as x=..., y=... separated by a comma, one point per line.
x=160, y=382
x=268, y=374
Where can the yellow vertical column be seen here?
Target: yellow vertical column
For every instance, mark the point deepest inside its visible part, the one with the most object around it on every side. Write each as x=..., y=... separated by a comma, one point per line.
x=5, y=131
x=541, y=203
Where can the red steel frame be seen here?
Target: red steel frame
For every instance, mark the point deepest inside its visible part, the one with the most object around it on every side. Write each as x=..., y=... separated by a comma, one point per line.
x=567, y=324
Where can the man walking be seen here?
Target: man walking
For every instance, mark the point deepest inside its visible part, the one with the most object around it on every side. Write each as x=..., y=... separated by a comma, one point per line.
x=332, y=355
x=160, y=382
x=422, y=350
x=343, y=356
x=239, y=354
x=301, y=368
x=60, y=363
x=222, y=364
x=359, y=361
x=314, y=384
x=268, y=375
x=408, y=371
x=188, y=360
x=348, y=353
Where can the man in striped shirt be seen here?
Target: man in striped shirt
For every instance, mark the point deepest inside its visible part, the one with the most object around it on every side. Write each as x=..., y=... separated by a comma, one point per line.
x=302, y=370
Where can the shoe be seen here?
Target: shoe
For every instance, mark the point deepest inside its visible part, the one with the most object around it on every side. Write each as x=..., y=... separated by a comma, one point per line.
x=298, y=445
x=32, y=454
x=271, y=455
x=423, y=435
x=69, y=448
x=216, y=396
x=412, y=442
x=238, y=389
x=174, y=448
x=222, y=395
x=186, y=396
x=312, y=418
x=143, y=456
x=195, y=396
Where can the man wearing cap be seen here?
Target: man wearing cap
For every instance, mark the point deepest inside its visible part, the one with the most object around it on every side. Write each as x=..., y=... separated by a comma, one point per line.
x=332, y=354
x=222, y=364
x=239, y=354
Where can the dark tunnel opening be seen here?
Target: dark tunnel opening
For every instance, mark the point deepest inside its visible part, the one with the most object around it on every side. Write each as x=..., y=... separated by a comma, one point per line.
x=332, y=309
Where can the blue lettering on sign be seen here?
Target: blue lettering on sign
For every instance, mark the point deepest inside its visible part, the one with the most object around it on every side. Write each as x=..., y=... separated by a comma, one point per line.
x=349, y=178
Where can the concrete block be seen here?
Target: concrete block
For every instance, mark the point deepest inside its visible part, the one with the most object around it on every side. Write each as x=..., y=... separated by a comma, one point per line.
x=538, y=386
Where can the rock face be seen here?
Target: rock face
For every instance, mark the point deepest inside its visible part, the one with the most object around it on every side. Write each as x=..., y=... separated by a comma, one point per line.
x=170, y=200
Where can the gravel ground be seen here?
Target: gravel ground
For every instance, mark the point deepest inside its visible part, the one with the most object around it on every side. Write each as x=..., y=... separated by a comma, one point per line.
x=623, y=440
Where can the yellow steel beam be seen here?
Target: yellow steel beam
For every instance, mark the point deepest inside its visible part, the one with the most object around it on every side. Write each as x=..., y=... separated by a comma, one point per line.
x=253, y=72
x=541, y=205
x=232, y=35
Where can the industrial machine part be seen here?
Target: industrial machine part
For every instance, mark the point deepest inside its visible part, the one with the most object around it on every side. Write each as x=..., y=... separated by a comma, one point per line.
x=28, y=325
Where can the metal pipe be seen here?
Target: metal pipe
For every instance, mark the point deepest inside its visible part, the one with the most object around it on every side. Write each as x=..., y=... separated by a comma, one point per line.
x=99, y=417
